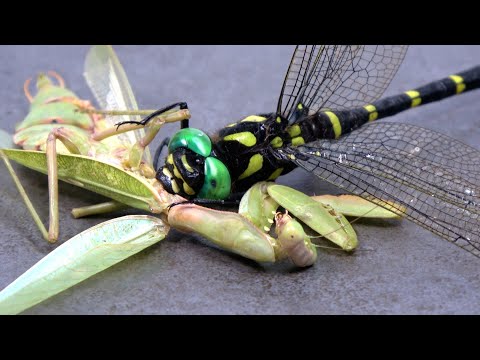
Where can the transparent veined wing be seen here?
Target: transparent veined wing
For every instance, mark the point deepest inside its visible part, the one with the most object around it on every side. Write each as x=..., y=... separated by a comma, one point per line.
x=338, y=77
x=109, y=84
x=434, y=180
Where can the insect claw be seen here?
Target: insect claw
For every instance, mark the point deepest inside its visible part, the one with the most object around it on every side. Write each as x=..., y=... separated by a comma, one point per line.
x=139, y=123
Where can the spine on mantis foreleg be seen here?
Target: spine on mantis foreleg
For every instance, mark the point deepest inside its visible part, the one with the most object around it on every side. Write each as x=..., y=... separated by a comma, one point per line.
x=51, y=107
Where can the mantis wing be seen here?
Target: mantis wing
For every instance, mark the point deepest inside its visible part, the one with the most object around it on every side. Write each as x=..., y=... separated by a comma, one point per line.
x=80, y=257
x=109, y=84
x=100, y=177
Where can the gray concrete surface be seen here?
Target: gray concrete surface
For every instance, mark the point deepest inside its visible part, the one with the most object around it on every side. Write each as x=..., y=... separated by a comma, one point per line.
x=405, y=269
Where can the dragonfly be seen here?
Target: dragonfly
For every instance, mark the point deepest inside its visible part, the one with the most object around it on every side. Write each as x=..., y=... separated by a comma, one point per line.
x=328, y=122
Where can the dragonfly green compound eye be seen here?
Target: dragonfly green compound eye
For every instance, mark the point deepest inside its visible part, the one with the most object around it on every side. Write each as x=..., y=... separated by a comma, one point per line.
x=217, y=182
x=193, y=139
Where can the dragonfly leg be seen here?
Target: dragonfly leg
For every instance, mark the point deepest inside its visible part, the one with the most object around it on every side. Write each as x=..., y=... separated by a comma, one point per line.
x=167, y=117
x=156, y=113
x=103, y=208
x=137, y=150
x=158, y=152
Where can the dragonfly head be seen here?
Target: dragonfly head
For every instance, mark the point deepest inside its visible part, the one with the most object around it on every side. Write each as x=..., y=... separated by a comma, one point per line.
x=191, y=170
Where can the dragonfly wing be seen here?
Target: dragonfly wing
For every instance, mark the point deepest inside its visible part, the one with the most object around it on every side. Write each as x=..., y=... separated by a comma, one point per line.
x=109, y=84
x=338, y=77
x=432, y=179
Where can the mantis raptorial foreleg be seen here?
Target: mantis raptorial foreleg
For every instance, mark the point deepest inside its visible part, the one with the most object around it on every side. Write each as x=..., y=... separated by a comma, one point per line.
x=248, y=232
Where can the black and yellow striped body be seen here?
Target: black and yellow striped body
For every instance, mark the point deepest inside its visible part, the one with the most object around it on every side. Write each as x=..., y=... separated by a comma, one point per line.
x=333, y=124
x=248, y=148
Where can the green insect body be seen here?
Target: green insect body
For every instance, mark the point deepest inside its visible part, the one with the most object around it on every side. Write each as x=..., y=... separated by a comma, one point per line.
x=60, y=123
x=56, y=107
x=100, y=177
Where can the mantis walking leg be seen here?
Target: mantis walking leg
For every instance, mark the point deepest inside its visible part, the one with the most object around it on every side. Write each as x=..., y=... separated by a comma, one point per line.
x=74, y=146
x=153, y=127
x=103, y=208
x=56, y=134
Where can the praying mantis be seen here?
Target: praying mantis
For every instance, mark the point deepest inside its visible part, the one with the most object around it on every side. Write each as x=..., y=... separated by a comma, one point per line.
x=174, y=207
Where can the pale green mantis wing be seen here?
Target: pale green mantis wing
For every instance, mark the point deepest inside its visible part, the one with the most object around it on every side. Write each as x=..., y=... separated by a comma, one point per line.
x=82, y=256
x=109, y=84
x=98, y=176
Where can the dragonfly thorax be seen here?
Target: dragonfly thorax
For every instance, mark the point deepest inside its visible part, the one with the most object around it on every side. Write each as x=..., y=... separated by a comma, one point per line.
x=248, y=148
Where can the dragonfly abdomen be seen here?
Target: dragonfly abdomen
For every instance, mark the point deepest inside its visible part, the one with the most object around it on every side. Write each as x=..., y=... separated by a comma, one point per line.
x=434, y=91
x=333, y=124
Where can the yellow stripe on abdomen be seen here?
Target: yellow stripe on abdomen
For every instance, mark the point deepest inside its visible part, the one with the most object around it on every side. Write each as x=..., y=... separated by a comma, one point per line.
x=372, y=111
x=335, y=121
x=415, y=96
x=459, y=81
